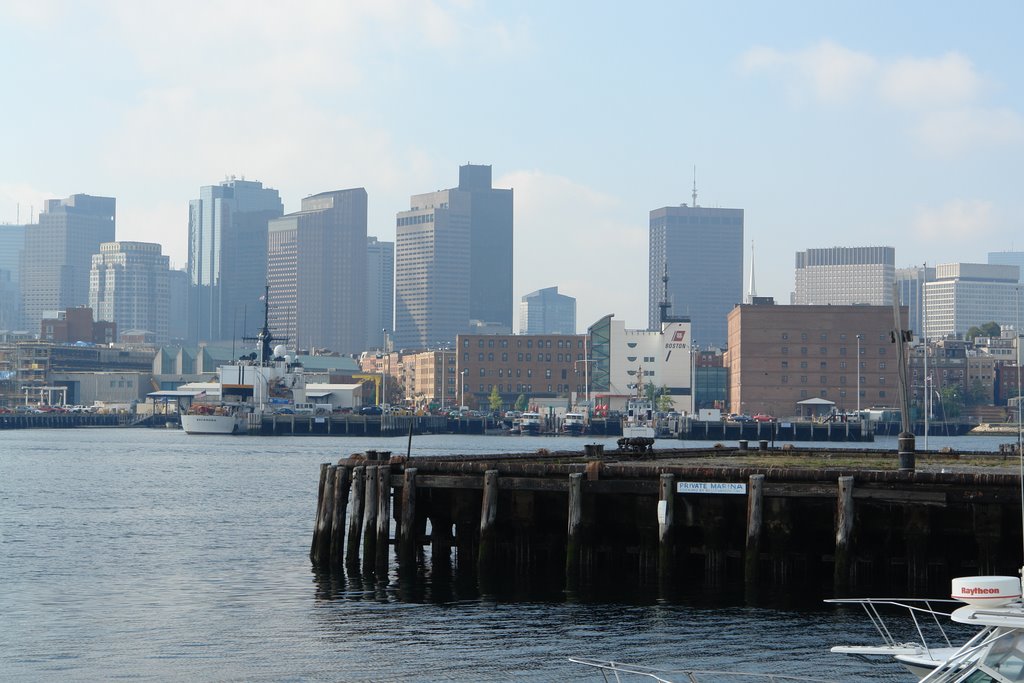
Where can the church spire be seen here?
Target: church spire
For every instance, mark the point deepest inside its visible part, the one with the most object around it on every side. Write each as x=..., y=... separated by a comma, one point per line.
x=752, y=289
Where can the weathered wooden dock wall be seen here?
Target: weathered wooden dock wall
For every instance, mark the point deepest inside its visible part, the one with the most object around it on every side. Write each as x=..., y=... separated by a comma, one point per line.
x=62, y=420
x=506, y=519
x=361, y=425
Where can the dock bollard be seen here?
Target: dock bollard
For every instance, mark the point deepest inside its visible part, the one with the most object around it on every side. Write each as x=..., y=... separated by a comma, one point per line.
x=593, y=450
x=764, y=444
x=743, y=444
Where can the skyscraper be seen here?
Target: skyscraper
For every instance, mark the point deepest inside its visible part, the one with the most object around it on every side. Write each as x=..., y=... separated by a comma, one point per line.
x=547, y=312
x=227, y=257
x=1008, y=258
x=453, y=261
x=58, y=254
x=12, y=244
x=129, y=285
x=316, y=269
x=842, y=276
x=966, y=295
x=911, y=282
x=380, y=291
x=700, y=250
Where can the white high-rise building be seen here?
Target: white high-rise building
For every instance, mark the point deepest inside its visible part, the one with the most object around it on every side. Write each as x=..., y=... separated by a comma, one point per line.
x=129, y=284
x=844, y=276
x=966, y=295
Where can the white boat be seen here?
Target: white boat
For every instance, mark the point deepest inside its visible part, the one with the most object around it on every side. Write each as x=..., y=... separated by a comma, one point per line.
x=574, y=423
x=246, y=387
x=619, y=671
x=995, y=654
x=639, y=420
x=214, y=423
x=530, y=423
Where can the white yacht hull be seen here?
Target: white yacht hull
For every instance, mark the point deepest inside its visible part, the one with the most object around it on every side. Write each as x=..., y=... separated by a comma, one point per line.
x=213, y=424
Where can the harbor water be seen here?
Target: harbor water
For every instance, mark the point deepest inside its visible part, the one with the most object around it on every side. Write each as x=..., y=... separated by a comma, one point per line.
x=150, y=554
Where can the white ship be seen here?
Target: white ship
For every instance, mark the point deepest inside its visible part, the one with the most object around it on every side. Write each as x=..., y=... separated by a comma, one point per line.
x=246, y=387
x=229, y=422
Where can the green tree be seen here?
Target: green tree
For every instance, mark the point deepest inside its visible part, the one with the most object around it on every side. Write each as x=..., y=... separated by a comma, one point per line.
x=494, y=400
x=989, y=329
x=522, y=403
x=665, y=403
x=951, y=402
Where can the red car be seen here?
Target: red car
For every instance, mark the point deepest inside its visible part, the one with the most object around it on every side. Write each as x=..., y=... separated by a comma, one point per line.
x=763, y=418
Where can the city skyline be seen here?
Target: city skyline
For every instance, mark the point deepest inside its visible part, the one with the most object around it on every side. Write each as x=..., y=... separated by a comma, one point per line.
x=899, y=126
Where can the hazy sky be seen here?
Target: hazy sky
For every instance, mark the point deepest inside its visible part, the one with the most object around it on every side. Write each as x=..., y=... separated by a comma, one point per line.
x=830, y=123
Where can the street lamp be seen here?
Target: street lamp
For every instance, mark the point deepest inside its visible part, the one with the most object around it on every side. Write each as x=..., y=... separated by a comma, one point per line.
x=462, y=400
x=859, y=337
x=383, y=376
x=586, y=378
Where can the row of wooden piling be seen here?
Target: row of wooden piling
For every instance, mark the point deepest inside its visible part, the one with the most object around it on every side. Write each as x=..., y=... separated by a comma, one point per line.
x=355, y=503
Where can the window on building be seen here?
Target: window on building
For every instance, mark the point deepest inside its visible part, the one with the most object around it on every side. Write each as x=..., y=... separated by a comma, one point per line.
x=824, y=364
x=785, y=350
x=785, y=379
x=490, y=343
x=823, y=380
x=480, y=343
x=504, y=357
x=480, y=357
x=803, y=336
x=565, y=374
x=529, y=372
x=785, y=336
x=547, y=374
x=483, y=372
x=803, y=350
x=803, y=379
x=520, y=356
x=803, y=365
x=785, y=364
x=824, y=351
x=881, y=365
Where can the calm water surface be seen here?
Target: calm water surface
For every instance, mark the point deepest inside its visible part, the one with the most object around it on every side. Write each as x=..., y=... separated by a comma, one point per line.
x=151, y=554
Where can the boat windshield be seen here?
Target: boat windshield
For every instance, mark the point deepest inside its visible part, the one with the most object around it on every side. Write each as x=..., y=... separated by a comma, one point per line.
x=1006, y=657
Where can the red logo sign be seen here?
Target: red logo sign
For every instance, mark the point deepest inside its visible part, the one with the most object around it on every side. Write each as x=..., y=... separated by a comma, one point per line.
x=678, y=335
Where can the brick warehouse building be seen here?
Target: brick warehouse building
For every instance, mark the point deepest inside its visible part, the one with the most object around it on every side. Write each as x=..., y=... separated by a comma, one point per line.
x=536, y=365
x=781, y=355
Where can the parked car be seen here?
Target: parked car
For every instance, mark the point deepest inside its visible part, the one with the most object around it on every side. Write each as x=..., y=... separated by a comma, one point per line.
x=370, y=410
x=760, y=417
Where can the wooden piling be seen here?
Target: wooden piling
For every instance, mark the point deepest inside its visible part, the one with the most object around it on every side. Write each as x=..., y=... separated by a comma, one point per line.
x=755, y=514
x=355, y=522
x=342, y=478
x=666, y=537
x=323, y=545
x=370, y=520
x=406, y=530
x=488, y=517
x=844, y=531
x=383, y=517
x=572, y=545
x=319, y=505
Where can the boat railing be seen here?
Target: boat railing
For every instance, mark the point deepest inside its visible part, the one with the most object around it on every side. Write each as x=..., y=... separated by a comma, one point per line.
x=925, y=614
x=619, y=671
